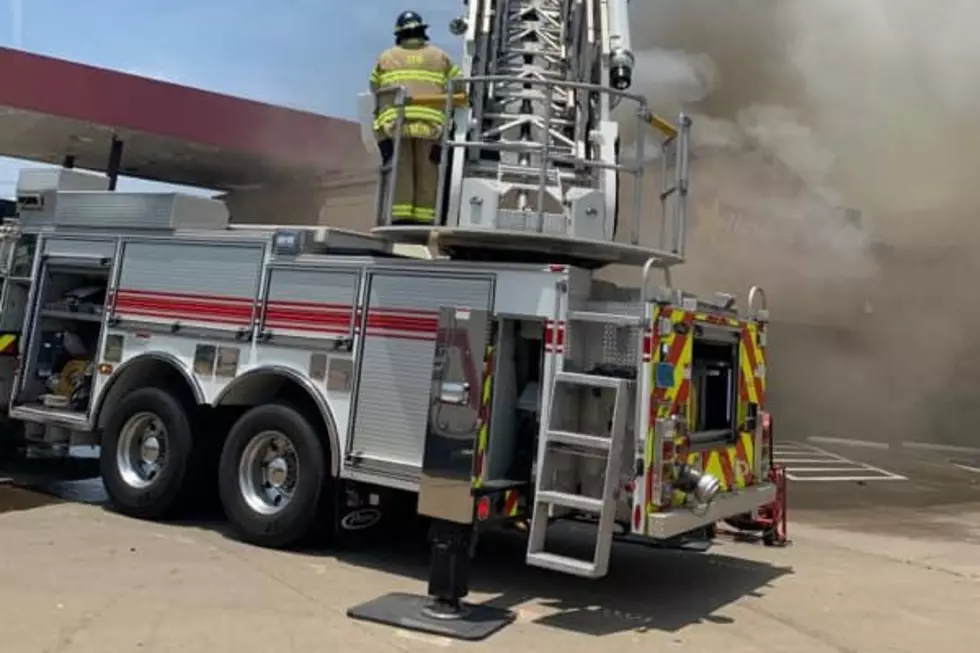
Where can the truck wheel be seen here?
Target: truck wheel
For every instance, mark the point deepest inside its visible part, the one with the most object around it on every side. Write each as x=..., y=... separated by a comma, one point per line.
x=273, y=477
x=12, y=448
x=146, y=452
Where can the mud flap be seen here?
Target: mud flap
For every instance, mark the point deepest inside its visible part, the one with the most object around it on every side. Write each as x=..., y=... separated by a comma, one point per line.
x=369, y=514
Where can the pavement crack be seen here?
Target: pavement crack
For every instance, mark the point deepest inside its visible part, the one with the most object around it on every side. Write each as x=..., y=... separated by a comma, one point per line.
x=259, y=570
x=909, y=562
x=68, y=633
x=806, y=631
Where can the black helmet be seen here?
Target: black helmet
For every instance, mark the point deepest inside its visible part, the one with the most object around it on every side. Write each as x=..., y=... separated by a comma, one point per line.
x=410, y=25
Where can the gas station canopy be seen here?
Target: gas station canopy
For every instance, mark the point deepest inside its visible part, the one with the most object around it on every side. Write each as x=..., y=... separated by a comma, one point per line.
x=59, y=112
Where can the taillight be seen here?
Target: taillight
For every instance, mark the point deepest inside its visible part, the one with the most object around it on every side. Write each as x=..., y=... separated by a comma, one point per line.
x=483, y=508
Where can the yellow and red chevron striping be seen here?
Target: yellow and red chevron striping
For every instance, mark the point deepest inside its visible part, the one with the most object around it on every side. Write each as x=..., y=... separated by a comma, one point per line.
x=512, y=503
x=479, y=461
x=668, y=400
x=752, y=365
x=8, y=344
x=733, y=463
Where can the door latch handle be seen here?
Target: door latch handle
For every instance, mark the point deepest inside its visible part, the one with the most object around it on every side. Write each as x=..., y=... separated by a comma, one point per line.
x=455, y=393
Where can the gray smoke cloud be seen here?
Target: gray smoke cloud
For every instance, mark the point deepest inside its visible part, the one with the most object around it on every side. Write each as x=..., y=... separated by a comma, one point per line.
x=804, y=109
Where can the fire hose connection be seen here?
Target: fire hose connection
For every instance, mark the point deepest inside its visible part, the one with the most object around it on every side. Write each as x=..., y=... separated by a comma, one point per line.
x=703, y=487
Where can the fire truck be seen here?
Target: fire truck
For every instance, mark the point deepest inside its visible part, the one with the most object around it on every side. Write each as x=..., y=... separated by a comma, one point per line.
x=322, y=380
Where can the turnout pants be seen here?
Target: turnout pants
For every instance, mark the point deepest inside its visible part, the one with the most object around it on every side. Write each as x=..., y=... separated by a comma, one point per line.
x=416, y=179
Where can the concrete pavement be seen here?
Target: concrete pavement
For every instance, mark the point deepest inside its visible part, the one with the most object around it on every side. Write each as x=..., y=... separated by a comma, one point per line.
x=75, y=578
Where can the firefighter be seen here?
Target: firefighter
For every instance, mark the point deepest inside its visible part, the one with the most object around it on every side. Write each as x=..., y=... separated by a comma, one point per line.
x=424, y=70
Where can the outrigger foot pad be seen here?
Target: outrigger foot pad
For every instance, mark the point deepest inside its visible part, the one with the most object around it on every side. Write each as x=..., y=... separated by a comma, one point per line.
x=466, y=621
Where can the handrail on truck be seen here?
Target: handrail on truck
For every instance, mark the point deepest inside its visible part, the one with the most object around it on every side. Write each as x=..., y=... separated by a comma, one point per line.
x=648, y=267
x=762, y=313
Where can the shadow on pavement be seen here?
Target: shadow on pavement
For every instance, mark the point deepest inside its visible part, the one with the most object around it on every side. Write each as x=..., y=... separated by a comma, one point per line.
x=646, y=589
x=43, y=482
x=28, y=484
x=13, y=499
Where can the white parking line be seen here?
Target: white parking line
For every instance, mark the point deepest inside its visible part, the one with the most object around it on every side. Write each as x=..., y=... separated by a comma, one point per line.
x=807, y=463
x=844, y=479
x=967, y=468
x=850, y=442
x=803, y=470
x=946, y=448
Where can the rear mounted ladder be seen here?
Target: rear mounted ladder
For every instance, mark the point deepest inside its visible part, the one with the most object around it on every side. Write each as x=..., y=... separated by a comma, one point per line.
x=609, y=448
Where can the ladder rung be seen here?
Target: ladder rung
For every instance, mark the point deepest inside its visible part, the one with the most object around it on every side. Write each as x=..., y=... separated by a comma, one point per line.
x=566, y=500
x=604, y=318
x=580, y=440
x=563, y=564
x=590, y=380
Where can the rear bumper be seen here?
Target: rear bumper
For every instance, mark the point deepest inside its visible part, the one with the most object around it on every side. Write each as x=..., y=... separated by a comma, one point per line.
x=665, y=525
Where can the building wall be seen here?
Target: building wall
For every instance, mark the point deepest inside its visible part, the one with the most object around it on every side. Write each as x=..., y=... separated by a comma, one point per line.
x=345, y=202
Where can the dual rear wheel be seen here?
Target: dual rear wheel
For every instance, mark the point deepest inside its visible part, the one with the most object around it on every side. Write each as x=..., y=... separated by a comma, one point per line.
x=273, y=477
x=272, y=474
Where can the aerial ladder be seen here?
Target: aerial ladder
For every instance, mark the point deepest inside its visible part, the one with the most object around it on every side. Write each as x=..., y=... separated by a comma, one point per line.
x=533, y=170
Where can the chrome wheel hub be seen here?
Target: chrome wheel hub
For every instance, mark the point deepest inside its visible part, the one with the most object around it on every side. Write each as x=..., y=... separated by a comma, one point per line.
x=268, y=472
x=150, y=450
x=277, y=472
x=141, y=453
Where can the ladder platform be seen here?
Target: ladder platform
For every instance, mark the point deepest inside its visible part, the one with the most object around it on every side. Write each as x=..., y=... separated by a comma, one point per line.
x=527, y=246
x=565, y=564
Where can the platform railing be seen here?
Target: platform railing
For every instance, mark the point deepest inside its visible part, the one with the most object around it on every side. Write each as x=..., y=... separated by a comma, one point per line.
x=674, y=139
x=386, y=172
x=674, y=146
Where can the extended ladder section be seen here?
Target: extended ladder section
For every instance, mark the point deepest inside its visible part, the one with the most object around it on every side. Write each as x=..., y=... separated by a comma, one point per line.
x=557, y=441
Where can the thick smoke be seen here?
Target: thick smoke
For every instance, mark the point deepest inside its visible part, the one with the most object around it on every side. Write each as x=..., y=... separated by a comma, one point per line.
x=804, y=109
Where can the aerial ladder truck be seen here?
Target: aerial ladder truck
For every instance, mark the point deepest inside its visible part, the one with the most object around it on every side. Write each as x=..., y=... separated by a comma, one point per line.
x=653, y=421
x=321, y=377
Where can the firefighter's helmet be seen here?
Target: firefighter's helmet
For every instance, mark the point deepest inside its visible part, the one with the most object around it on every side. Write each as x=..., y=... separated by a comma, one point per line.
x=410, y=25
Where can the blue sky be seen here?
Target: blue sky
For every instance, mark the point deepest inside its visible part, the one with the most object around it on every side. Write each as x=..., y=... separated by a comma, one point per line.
x=309, y=54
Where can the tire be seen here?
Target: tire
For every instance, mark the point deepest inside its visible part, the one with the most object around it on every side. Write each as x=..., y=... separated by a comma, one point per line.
x=302, y=469
x=11, y=441
x=126, y=481
x=744, y=522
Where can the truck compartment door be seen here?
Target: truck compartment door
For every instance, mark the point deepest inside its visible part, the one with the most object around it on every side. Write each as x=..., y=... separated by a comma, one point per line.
x=457, y=414
x=398, y=341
